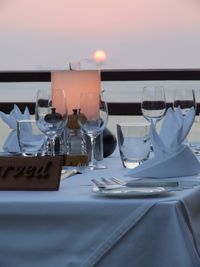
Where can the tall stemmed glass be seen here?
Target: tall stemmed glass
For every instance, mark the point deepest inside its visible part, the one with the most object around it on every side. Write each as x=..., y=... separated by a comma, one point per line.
x=184, y=99
x=153, y=104
x=92, y=118
x=51, y=115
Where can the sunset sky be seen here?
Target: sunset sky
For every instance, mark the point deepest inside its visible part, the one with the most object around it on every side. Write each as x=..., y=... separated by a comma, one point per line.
x=48, y=34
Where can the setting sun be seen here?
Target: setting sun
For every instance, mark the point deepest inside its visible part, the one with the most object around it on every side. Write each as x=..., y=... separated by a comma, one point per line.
x=99, y=56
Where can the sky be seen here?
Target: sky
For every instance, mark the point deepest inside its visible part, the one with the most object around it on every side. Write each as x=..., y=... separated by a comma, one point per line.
x=49, y=34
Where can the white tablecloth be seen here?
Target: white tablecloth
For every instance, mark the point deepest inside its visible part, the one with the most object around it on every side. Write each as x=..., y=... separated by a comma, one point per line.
x=73, y=227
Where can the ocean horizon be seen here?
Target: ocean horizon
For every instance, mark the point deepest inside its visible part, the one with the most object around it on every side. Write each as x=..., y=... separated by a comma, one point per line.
x=126, y=91
x=115, y=91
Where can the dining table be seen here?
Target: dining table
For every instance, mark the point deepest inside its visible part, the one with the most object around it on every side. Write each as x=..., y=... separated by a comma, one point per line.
x=77, y=227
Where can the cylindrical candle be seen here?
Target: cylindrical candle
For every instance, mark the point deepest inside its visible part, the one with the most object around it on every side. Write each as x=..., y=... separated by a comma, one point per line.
x=75, y=82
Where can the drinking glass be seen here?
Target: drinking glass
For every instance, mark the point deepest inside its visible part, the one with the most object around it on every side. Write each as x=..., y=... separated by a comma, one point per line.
x=51, y=115
x=134, y=143
x=184, y=99
x=92, y=119
x=30, y=139
x=153, y=104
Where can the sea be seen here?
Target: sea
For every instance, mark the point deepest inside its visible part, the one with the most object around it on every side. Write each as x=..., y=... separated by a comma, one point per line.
x=120, y=91
x=125, y=91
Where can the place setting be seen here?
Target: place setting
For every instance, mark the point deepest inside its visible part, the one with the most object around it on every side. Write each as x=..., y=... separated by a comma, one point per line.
x=69, y=129
x=140, y=187
x=156, y=162
x=115, y=187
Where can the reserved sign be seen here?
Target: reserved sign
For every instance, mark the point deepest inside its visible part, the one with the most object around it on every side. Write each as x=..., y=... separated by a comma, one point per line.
x=30, y=173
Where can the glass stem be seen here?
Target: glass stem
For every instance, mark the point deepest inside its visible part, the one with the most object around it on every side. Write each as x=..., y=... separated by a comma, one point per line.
x=46, y=146
x=52, y=144
x=93, y=139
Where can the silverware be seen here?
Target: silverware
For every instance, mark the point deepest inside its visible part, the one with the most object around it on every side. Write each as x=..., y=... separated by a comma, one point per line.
x=98, y=184
x=145, y=183
x=115, y=183
x=173, y=185
x=106, y=181
x=103, y=186
x=118, y=181
x=68, y=173
x=80, y=169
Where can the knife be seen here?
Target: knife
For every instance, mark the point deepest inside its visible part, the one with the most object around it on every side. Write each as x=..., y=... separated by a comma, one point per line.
x=145, y=183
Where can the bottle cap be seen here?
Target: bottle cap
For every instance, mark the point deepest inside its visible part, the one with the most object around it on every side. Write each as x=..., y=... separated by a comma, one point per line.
x=73, y=120
x=53, y=117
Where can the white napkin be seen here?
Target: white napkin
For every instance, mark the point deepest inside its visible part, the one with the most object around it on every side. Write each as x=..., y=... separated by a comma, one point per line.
x=172, y=158
x=11, y=144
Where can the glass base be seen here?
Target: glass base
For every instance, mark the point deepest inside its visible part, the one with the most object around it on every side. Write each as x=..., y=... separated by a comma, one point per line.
x=130, y=164
x=96, y=166
x=31, y=154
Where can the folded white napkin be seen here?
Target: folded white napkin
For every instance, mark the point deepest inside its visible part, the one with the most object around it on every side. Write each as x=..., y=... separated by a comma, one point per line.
x=33, y=142
x=11, y=144
x=172, y=158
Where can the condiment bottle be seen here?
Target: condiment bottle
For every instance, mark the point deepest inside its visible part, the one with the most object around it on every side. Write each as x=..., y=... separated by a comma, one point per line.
x=76, y=143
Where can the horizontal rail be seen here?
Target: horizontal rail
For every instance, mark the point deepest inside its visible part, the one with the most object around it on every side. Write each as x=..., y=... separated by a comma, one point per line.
x=151, y=75
x=114, y=109
x=109, y=75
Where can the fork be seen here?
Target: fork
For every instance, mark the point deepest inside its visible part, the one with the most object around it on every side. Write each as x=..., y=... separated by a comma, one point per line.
x=106, y=181
x=105, y=184
x=78, y=170
x=118, y=181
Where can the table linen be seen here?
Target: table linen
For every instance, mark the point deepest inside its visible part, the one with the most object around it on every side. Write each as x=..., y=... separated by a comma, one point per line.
x=73, y=227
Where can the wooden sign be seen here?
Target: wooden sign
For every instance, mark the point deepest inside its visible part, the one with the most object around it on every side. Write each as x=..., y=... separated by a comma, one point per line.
x=30, y=173
x=75, y=160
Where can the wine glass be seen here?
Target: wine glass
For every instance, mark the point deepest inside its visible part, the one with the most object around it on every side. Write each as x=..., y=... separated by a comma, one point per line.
x=153, y=104
x=51, y=115
x=184, y=99
x=92, y=119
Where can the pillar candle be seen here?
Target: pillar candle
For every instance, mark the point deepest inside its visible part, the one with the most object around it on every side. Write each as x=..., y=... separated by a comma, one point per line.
x=74, y=82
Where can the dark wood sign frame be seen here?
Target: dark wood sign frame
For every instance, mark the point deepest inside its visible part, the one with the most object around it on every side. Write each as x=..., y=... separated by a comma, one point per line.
x=30, y=173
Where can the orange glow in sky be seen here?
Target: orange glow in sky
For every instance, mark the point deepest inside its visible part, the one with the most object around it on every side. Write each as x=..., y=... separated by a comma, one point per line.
x=99, y=56
x=49, y=34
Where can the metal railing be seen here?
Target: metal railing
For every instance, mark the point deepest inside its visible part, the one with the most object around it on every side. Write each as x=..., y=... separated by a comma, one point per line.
x=130, y=108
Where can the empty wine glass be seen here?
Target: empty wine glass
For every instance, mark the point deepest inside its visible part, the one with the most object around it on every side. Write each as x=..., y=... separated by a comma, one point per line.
x=153, y=104
x=51, y=114
x=92, y=118
x=184, y=99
